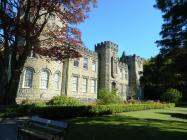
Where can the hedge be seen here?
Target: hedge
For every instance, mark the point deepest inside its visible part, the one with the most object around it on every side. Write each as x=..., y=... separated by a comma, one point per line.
x=61, y=112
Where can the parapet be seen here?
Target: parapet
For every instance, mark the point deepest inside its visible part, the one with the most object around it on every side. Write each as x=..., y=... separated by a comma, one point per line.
x=106, y=44
x=86, y=51
x=134, y=57
x=122, y=65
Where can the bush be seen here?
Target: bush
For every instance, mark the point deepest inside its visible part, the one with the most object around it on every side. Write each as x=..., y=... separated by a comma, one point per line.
x=64, y=101
x=171, y=95
x=62, y=112
x=106, y=96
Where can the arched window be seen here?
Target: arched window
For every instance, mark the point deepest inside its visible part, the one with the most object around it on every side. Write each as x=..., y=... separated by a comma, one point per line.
x=27, y=79
x=44, y=79
x=57, y=80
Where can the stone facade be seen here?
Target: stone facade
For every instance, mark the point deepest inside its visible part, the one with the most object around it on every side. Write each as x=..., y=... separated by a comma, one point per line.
x=135, y=66
x=81, y=77
x=35, y=91
x=111, y=73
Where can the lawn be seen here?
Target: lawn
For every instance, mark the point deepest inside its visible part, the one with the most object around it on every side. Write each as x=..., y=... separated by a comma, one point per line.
x=158, y=124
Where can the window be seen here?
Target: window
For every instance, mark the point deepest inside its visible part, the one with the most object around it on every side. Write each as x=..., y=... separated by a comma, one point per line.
x=84, y=85
x=126, y=75
x=76, y=62
x=56, y=80
x=85, y=63
x=116, y=68
x=112, y=65
x=93, y=86
x=75, y=84
x=44, y=79
x=93, y=65
x=28, y=75
x=121, y=74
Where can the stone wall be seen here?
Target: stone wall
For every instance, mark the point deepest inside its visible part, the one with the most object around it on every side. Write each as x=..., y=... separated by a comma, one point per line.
x=35, y=92
x=110, y=73
x=81, y=73
x=135, y=66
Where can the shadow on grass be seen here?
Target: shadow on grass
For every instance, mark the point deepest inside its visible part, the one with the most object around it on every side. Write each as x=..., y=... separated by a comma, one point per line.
x=182, y=104
x=126, y=128
x=176, y=115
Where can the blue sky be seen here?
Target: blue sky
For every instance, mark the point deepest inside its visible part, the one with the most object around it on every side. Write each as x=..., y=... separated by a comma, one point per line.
x=132, y=24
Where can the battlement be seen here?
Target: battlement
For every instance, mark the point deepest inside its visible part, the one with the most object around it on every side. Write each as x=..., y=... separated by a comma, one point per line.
x=135, y=57
x=122, y=65
x=87, y=51
x=108, y=44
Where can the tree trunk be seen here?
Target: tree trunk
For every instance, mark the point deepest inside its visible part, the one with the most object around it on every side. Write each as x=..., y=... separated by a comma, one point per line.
x=12, y=88
x=3, y=86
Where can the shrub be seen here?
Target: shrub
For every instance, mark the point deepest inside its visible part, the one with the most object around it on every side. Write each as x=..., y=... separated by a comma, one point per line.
x=171, y=95
x=64, y=101
x=41, y=104
x=61, y=112
x=106, y=96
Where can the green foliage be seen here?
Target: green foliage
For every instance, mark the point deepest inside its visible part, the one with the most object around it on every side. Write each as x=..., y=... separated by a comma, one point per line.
x=169, y=68
x=64, y=101
x=171, y=95
x=106, y=96
x=123, y=57
x=18, y=110
x=61, y=112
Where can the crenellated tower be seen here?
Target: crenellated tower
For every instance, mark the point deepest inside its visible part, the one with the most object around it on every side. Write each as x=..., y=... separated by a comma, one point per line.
x=135, y=66
x=108, y=64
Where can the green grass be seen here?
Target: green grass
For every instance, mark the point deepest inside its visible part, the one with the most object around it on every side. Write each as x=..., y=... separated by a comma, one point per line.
x=158, y=124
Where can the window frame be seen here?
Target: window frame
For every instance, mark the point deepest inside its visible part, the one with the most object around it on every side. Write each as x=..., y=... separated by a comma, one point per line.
x=94, y=67
x=76, y=60
x=24, y=78
x=76, y=84
x=47, y=79
x=85, y=65
x=121, y=73
x=94, y=86
x=84, y=85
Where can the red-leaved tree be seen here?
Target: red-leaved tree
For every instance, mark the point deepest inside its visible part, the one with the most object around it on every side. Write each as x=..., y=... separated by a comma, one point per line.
x=24, y=27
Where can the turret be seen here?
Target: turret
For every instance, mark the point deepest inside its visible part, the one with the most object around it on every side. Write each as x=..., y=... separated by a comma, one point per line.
x=108, y=64
x=135, y=66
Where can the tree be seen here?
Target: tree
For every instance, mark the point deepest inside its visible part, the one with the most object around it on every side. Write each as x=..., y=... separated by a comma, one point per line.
x=174, y=28
x=157, y=77
x=23, y=28
x=174, y=40
x=123, y=57
x=169, y=68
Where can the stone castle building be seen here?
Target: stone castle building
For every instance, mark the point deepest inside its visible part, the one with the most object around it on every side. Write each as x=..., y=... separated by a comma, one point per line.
x=82, y=77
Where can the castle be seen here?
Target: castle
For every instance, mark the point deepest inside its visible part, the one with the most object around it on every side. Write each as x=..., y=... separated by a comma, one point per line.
x=82, y=77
